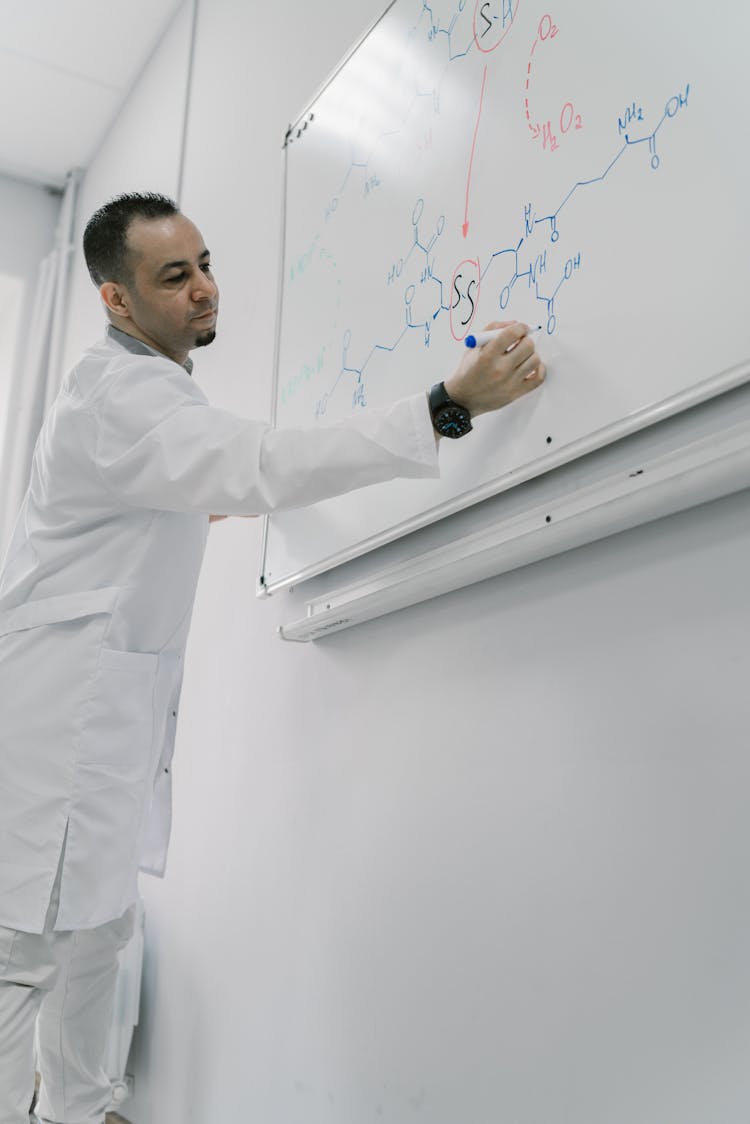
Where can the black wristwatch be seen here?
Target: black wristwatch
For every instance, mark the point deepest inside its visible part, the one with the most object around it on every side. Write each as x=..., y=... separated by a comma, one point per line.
x=448, y=418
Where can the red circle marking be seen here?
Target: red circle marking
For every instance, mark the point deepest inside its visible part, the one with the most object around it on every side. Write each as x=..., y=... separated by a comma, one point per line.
x=488, y=50
x=464, y=328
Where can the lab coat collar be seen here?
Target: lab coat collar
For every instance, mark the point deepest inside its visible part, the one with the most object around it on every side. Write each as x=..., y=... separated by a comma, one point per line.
x=138, y=347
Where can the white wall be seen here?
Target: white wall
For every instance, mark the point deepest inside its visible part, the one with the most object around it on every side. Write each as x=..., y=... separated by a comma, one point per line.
x=480, y=861
x=484, y=860
x=28, y=216
x=140, y=152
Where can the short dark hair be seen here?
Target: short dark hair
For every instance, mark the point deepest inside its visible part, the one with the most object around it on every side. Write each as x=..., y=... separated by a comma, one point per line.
x=105, y=244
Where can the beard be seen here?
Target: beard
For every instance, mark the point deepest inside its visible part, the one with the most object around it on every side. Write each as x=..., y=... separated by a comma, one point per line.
x=205, y=339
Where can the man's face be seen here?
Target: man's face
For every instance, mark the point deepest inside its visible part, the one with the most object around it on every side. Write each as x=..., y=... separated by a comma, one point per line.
x=173, y=299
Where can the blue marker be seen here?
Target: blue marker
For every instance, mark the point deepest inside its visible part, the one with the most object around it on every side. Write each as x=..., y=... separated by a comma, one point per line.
x=481, y=338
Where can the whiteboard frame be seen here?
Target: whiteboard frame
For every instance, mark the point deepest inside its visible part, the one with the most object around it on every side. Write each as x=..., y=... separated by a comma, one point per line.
x=692, y=458
x=703, y=391
x=642, y=419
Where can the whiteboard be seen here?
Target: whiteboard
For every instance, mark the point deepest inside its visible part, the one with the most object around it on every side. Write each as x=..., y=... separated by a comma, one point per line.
x=582, y=167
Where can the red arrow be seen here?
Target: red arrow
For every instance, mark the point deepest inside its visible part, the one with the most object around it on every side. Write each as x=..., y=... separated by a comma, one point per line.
x=465, y=226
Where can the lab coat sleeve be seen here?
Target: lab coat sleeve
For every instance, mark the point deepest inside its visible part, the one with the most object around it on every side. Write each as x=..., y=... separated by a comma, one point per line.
x=161, y=445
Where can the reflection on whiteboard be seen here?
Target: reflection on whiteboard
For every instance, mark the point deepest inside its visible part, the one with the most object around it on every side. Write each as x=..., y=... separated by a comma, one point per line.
x=573, y=166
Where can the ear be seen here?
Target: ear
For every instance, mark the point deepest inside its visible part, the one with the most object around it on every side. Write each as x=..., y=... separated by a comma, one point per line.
x=115, y=297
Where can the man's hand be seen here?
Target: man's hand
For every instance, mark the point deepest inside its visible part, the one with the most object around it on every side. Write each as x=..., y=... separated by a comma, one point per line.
x=495, y=375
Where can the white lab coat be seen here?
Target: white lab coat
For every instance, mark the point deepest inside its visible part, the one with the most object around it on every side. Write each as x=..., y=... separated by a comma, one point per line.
x=96, y=594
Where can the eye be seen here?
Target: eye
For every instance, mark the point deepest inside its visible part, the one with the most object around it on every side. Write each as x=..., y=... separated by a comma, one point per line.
x=175, y=278
x=206, y=267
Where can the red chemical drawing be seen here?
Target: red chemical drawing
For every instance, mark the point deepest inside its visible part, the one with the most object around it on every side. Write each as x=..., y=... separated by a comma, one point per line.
x=568, y=118
x=465, y=227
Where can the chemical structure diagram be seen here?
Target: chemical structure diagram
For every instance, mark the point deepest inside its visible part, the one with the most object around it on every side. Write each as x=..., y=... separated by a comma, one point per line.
x=531, y=257
x=492, y=21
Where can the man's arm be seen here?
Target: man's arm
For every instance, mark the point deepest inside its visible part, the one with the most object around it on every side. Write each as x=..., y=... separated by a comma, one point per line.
x=160, y=445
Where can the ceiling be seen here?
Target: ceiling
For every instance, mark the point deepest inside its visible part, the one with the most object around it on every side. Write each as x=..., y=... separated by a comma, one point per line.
x=66, y=67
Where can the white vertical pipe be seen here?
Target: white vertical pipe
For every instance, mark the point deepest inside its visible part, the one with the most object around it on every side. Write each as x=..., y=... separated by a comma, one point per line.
x=64, y=248
x=186, y=111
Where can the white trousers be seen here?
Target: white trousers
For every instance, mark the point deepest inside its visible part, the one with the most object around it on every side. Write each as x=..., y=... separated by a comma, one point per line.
x=63, y=983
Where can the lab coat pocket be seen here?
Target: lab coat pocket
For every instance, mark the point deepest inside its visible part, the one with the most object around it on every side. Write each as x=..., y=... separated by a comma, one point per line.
x=118, y=721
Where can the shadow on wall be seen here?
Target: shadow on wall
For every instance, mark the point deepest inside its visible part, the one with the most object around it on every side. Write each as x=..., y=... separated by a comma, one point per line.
x=193, y=1032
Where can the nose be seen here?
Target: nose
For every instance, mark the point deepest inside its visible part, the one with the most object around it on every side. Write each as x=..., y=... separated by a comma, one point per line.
x=204, y=288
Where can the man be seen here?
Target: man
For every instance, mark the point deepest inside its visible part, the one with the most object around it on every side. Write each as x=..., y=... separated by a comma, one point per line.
x=96, y=594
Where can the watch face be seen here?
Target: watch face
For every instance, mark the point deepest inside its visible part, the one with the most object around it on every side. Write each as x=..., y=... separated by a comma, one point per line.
x=453, y=421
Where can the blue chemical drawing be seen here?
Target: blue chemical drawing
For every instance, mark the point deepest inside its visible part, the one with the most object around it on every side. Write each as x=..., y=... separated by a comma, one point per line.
x=434, y=293
x=514, y=264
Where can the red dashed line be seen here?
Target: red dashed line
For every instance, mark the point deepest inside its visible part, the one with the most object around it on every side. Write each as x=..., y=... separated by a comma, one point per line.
x=528, y=79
